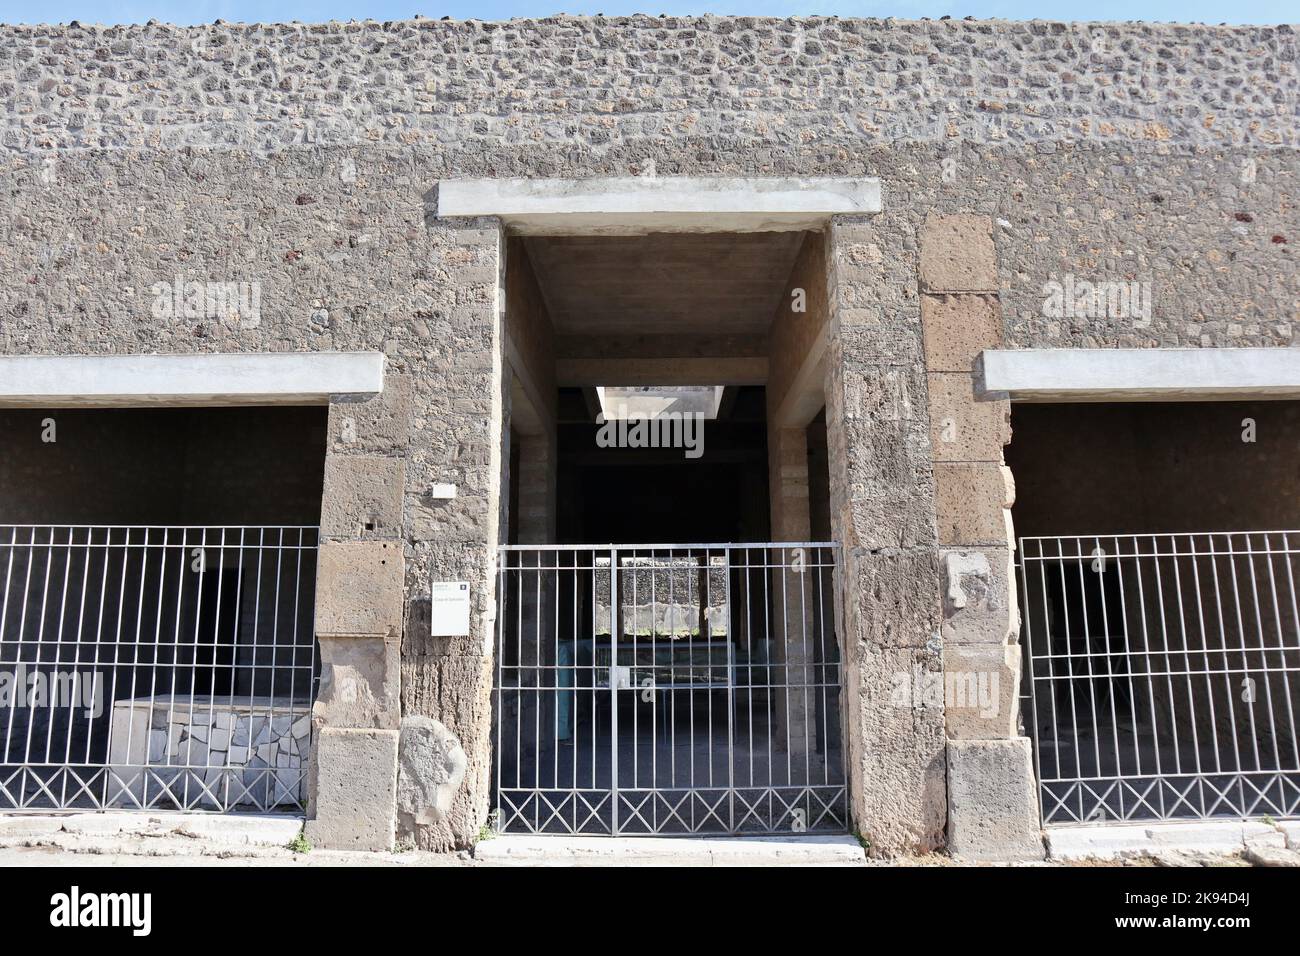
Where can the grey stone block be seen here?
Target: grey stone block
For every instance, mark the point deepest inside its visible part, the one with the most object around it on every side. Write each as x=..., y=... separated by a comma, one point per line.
x=992, y=801
x=355, y=804
x=360, y=682
x=379, y=425
x=359, y=588
x=957, y=254
x=363, y=496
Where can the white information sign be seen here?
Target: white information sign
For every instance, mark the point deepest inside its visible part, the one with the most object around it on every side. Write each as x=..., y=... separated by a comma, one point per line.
x=449, y=615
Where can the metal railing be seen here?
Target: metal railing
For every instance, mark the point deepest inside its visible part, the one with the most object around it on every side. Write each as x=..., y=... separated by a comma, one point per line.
x=1163, y=674
x=149, y=667
x=670, y=689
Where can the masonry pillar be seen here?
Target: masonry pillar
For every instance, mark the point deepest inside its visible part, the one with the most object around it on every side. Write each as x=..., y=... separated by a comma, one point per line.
x=882, y=501
x=793, y=644
x=992, y=804
x=454, y=503
x=359, y=602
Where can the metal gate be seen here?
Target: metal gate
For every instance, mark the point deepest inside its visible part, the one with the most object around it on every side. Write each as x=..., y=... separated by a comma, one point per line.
x=156, y=668
x=1163, y=673
x=668, y=689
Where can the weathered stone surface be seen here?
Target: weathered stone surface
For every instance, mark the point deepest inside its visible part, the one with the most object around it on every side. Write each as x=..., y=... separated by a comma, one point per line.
x=378, y=425
x=962, y=429
x=899, y=586
x=354, y=806
x=459, y=690
x=956, y=328
x=895, y=737
x=957, y=254
x=362, y=497
x=359, y=588
x=972, y=502
x=359, y=681
x=979, y=596
x=981, y=691
x=1271, y=856
x=430, y=772
x=992, y=805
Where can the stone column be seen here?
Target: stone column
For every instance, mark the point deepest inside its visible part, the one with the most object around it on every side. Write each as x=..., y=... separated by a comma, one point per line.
x=882, y=513
x=992, y=804
x=359, y=602
x=793, y=642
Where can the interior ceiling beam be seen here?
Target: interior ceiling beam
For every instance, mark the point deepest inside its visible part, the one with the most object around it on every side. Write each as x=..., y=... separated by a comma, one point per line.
x=714, y=370
x=659, y=346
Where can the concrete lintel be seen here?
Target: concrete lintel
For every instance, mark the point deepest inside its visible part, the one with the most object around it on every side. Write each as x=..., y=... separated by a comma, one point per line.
x=1137, y=375
x=285, y=378
x=635, y=205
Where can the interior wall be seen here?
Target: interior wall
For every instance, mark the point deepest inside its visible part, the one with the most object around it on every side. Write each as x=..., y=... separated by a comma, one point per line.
x=1154, y=467
x=163, y=466
x=819, y=479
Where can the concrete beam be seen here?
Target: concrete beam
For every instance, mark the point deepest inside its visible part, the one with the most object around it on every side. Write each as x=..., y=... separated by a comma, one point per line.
x=284, y=378
x=636, y=205
x=667, y=371
x=1137, y=375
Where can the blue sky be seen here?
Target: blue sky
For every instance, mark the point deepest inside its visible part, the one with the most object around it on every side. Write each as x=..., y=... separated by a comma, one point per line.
x=205, y=11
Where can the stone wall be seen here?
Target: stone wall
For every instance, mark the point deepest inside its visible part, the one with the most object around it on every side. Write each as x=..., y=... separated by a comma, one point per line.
x=568, y=83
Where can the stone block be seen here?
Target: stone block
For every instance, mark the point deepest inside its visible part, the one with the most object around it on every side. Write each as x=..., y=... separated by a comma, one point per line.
x=431, y=769
x=962, y=429
x=378, y=425
x=971, y=503
x=897, y=748
x=956, y=328
x=957, y=254
x=356, y=790
x=979, y=596
x=359, y=588
x=360, y=681
x=981, y=691
x=992, y=801
x=898, y=594
x=362, y=497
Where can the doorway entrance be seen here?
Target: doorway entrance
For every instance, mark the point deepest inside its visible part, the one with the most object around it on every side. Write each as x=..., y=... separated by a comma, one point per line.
x=693, y=686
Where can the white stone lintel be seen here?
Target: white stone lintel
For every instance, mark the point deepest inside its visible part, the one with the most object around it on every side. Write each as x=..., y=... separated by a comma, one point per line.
x=635, y=205
x=1137, y=375
x=273, y=378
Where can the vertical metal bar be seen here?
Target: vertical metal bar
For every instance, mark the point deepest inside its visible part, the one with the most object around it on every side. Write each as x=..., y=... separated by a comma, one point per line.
x=1263, y=651
x=615, y=606
x=731, y=699
x=1033, y=681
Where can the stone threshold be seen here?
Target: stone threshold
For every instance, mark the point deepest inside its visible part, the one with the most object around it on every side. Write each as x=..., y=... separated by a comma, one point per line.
x=529, y=850
x=235, y=829
x=1119, y=841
